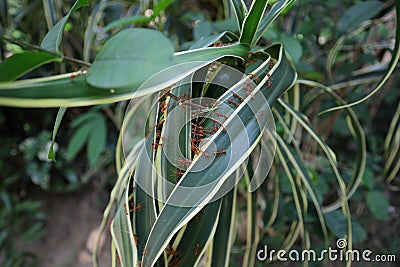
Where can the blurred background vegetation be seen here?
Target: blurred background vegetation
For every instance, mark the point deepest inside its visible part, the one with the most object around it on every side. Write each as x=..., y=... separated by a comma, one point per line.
x=342, y=43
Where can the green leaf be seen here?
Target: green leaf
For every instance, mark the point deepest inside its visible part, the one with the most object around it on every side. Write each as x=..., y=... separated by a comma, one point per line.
x=337, y=224
x=78, y=140
x=97, y=140
x=126, y=21
x=129, y=56
x=60, y=115
x=161, y=6
x=378, y=204
x=21, y=63
x=275, y=11
x=202, y=29
x=121, y=232
x=133, y=55
x=292, y=46
x=224, y=233
x=197, y=234
x=52, y=40
x=209, y=40
x=252, y=21
x=239, y=6
x=358, y=13
x=368, y=179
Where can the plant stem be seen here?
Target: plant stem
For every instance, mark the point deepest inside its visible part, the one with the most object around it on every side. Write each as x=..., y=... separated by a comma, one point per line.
x=38, y=48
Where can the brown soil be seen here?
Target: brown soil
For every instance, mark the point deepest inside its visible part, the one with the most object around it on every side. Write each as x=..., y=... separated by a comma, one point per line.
x=72, y=221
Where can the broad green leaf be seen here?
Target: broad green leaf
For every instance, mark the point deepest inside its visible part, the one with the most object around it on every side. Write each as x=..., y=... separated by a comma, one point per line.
x=52, y=40
x=336, y=223
x=19, y=64
x=378, y=204
x=129, y=56
x=252, y=21
x=60, y=115
x=97, y=140
x=133, y=55
x=78, y=140
x=72, y=89
x=203, y=28
x=358, y=13
x=292, y=46
x=85, y=117
x=368, y=179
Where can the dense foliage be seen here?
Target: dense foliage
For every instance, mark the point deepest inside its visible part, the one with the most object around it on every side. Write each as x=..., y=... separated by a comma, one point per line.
x=334, y=163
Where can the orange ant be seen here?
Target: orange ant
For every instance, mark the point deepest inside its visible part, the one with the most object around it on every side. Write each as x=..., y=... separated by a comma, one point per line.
x=197, y=150
x=253, y=77
x=236, y=104
x=197, y=249
x=170, y=251
x=220, y=44
x=216, y=153
x=218, y=122
x=177, y=172
x=137, y=208
x=155, y=145
x=238, y=97
x=219, y=114
x=248, y=87
x=118, y=259
x=269, y=80
x=198, y=216
x=109, y=224
x=136, y=239
x=184, y=162
x=174, y=262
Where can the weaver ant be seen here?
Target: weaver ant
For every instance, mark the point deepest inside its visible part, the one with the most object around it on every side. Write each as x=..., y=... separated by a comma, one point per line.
x=137, y=208
x=236, y=104
x=170, y=251
x=271, y=63
x=136, y=239
x=197, y=249
x=238, y=97
x=269, y=80
x=253, y=77
x=216, y=153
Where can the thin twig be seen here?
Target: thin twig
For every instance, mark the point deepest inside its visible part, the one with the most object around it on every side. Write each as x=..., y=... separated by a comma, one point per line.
x=38, y=48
